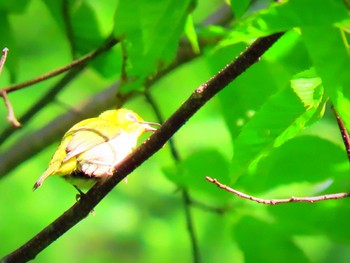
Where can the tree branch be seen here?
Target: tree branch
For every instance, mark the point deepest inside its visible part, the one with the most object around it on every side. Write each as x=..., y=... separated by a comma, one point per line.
x=343, y=131
x=3, y=58
x=292, y=199
x=38, y=140
x=197, y=99
x=85, y=59
x=11, y=114
x=44, y=100
x=35, y=142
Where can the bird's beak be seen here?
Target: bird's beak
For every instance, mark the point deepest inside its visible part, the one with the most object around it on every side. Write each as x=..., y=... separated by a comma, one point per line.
x=147, y=126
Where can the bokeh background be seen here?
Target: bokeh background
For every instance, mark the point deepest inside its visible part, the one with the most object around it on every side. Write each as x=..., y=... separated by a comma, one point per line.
x=271, y=133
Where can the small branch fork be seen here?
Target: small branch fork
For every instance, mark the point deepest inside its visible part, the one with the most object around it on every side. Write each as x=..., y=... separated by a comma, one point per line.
x=110, y=43
x=292, y=199
x=78, y=62
x=11, y=115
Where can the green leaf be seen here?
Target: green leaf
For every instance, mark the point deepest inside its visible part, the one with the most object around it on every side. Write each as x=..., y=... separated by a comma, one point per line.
x=7, y=40
x=332, y=62
x=303, y=159
x=150, y=33
x=297, y=13
x=86, y=34
x=191, y=34
x=305, y=85
x=17, y=6
x=325, y=218
x=278, y=120
x=266, y=242
x=239, y=7
x=253, y=88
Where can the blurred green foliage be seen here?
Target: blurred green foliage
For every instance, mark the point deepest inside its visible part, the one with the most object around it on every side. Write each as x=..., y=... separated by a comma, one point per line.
x=270, y=133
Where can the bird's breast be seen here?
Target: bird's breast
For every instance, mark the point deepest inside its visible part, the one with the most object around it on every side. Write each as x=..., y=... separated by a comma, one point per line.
x=100, y=160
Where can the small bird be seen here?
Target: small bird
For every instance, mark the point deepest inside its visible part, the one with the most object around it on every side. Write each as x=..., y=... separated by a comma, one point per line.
x=91, y=149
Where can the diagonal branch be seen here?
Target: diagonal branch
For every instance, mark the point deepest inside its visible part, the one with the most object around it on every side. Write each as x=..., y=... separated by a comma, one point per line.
x=36, y=141
x=3, y=58
x=197, y=99
x=292, y=199
x=109, y=43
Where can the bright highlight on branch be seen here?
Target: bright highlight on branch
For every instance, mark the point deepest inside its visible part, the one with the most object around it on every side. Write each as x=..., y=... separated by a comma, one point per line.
x=292, y=199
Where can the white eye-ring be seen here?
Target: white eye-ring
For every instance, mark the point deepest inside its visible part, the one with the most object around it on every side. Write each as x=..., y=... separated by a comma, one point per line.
x=131, y=117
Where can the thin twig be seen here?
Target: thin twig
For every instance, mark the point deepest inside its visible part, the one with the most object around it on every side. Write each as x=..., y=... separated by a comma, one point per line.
x=209, y=208
x=185, y=194
x=74, y=71
x=343, y=131
x=190, y=226
x=43, y=101
x=110, y=43
x=3, y=58
x=50, y=95
x=160, y=119
x=292, y=199
x=197, y=99
x=36, y=141
x=10, y=112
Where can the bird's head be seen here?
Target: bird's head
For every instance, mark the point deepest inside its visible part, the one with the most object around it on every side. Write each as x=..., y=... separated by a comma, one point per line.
x=129, y=121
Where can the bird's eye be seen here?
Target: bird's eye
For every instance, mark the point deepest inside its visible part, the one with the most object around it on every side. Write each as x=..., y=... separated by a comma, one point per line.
x=131, y=117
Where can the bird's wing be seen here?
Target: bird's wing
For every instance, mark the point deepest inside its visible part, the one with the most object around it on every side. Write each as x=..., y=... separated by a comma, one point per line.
x=88, y=134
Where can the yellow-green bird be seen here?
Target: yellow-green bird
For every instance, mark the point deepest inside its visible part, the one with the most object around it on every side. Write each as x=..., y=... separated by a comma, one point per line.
x=91, y=149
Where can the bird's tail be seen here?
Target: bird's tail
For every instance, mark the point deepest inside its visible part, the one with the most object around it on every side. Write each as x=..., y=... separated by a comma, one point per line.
x=40, y=180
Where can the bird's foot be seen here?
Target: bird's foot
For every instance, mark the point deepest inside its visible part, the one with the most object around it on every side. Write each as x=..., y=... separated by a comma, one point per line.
x=82, y=195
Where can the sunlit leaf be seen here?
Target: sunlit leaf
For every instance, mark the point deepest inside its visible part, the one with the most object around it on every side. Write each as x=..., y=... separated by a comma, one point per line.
x=266, y=242
x=150, y=33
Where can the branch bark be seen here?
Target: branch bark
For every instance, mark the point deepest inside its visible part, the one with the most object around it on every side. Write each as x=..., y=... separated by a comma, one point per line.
x=109, y=43
x=343, y=131
x=197, y=99
x=11, y=114
x=311, y=199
